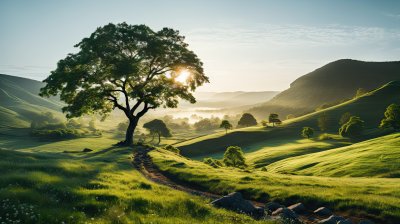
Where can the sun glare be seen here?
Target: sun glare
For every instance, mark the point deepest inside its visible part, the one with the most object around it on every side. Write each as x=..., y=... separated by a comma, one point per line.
x=182, y=76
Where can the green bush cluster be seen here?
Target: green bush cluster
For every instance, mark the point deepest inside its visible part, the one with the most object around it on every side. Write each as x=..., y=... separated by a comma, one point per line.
x=172, y=149
x=212, y=162
x=234, y=157
x=56, y=134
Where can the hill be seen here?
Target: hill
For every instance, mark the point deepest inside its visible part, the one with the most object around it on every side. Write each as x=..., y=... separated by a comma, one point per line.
x=19, y=101
x=370, y=107
x=334, y=82
x=379, y=157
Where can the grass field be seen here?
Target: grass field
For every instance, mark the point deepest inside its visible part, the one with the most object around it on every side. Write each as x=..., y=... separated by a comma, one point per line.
x=373, y=158
x=376, y=198
x=43, y=185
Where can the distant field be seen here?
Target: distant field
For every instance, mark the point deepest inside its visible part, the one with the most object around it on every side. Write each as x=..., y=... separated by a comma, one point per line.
x=370, y=107
x=43, y=185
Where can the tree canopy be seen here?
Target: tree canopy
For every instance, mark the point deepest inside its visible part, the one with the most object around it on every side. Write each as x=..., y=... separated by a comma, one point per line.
x=233, y=156
x=307, y=132
x=225, y=124
x=247, y=120
x=392, y=117
x=158, y=127
x=129, y=67
x=274, y=119
x=352, y=128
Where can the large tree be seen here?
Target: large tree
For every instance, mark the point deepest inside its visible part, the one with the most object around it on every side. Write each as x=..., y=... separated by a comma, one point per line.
x=274, y=119
x=225, y=124
x=129, y=67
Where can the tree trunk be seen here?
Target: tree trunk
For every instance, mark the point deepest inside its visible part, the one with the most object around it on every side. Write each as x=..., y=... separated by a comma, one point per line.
x=159, y=138
x=129, y=132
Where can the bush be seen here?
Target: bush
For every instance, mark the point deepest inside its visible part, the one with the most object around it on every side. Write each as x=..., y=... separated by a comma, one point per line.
x=234, y=157
x=247, y=120
x=307, y=132
x=212, y=162
x=172, y=149
x=353, y=128
x=57, y=134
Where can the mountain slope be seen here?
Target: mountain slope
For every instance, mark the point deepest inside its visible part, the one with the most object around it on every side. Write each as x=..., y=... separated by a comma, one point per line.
x=370, y=107
x=19, y=101
x=379, y=157
x=336, y=81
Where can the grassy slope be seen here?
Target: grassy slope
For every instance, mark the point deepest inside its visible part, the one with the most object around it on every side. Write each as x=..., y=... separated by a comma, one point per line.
x=378, y=157
x=322, y=85
x=372, y=197
x=48, y=186
x=19, y=101
x=369, y=107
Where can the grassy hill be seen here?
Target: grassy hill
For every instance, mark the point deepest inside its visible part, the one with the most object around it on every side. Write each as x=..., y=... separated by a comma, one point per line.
x=379, y=157
x=40, y=184
x=333, y=82
x=370, y=107
x=19, y=101
x=376, y=198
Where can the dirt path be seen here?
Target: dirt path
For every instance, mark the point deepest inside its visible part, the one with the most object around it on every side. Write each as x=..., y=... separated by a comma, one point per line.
x=143, y=163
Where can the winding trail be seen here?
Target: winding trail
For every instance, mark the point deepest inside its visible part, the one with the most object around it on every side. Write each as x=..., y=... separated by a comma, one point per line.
x=144, y=164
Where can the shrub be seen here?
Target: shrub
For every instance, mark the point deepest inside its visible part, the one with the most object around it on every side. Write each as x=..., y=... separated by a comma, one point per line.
x=392, y=117
x=56, y=134
x=172, y=149
x=234, y=157
x=247, y=120
x=212, y=162
x=307, y=132
x=353, y=128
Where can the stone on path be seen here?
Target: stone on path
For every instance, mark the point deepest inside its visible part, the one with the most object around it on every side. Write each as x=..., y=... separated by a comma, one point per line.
x=333, y=219
x=323, y=211
x=286, y=214
x=299, y=208
x=272, y=206
x=235, y=202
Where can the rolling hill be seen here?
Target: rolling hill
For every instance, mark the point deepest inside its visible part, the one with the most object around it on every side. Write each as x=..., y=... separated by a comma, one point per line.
x=334, y=82
x=370, y=107
x=19, y=101
x=378, y=157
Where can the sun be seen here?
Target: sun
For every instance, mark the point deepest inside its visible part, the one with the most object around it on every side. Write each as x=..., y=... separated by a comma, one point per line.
x=182, y=76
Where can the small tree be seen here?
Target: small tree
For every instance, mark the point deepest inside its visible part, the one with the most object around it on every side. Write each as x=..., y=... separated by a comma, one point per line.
x=226, y=125
x=234, y=157
x=274, y=119
x=158, y=127
x=307, y=132
x=392, y=117
x=323, y=122
x=247, y=120
x=352, y=128
x=344, y=118
x=264, y=123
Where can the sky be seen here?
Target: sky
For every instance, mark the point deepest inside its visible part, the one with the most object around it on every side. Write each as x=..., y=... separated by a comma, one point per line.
x=249, y=45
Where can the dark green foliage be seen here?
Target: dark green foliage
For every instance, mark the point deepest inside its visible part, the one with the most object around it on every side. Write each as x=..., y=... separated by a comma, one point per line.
x=212, y=162
x=247, y=120
x=233, y=156
x=56, y=134
x=158, y=127
x=129, y=67
x=225, y=124
x=172, y=149
x=307, y=132
x=344, y=118
x=274, y=119
x=207, y=124
x=392, y=117
x=323, y=122
x=353, y=128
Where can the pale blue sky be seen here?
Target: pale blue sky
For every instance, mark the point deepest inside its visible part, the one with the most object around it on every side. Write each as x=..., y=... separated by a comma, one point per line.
x=245, y=45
